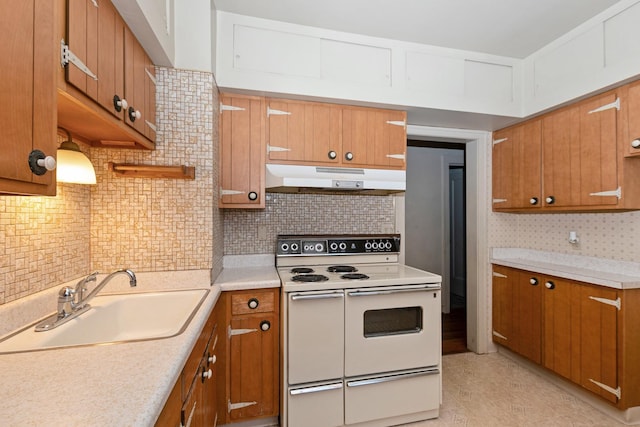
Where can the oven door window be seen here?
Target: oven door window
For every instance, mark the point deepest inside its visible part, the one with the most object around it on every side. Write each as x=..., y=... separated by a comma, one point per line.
x=392, y=321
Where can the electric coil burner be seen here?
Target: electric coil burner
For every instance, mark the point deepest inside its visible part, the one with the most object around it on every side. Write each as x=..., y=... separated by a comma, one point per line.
x=309, y=278
x=354, y=276
x=358, y=334
x=341, y=269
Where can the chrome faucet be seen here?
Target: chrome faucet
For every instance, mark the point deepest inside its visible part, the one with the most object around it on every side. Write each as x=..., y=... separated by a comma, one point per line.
x=72, y=301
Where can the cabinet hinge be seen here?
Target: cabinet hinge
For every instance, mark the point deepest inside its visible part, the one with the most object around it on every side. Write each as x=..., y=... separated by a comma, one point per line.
x=271, y=148
x=499, y=335
x=498, y=141
x=224, y=192
x=95, y=2
x=615, y=391
x=617, y=303
x=187, y=423
x=617, y=192
x=151, y=125
x=396, y=156
x=499, y=275
x=66, y=57
x=499, y=200
x=397, y=123
x=151, y=76
x=272, y=112
x=232, y=406
x=224, y=107
x=615, y=104
x=232, y=332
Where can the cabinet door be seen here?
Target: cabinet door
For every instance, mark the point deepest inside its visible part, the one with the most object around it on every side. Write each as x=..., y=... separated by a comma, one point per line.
x=29, y=91
x=503, y=169
x=527, y=159
x=579, y=154
x=135, y=80
x=598, y=336
x=633, y=117
x=242, y=152
x=82, y=39
x=527, y=315
x=150, y=100
x=209, y=391
x=192, y=413
x=374, y=138
x=110, y=57
x=253, y=367
x=502, y=304
x=561, y=313
x=303, y=132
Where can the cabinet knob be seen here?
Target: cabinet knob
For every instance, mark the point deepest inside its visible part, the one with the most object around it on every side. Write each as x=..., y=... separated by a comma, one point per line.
x=332, y=155
x=40, y=164
x=533, y=281
x=253, y=303
x=212, y=359
x=207, y=374
x=252, y=195
x=265, y=325
x=533, y=201
x=348, y=156
x=550, y=285
x=550, y=200
x=635, y=143
x=134, y=114
x=119, y=104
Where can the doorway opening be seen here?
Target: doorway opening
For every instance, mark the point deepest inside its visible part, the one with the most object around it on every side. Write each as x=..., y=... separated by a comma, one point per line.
x=435, y=221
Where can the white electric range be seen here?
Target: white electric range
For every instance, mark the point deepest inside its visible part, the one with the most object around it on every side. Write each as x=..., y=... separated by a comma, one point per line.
x=361, y=333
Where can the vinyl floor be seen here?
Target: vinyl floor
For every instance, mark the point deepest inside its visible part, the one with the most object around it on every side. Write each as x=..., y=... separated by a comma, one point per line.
x=492, y=390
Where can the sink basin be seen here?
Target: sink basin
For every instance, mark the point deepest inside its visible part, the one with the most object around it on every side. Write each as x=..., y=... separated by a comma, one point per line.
x=115, y=318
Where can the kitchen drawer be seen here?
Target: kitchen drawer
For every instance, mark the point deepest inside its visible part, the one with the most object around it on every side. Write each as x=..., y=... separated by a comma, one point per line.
x=253, y=302
x=318, y=405
x=401, y=393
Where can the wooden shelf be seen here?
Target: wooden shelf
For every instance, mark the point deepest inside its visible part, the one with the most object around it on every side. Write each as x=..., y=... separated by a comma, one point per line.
x=153, y=171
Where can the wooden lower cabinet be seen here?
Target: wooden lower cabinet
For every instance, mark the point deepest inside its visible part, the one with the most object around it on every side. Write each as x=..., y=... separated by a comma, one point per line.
x=586, y=333
x=193, y=400
x=252, y=368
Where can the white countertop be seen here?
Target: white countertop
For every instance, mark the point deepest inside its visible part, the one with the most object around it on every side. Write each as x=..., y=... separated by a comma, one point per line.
x=248, y=272
x=122, y=384
x=597, y=271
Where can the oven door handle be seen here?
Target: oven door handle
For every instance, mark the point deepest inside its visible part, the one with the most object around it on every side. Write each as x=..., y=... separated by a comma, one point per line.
x=414, y=374
x=299, y=297
x=392, y=291
x=316, y=389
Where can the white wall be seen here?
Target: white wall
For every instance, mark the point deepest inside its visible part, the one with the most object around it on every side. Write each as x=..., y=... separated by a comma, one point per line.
x=427, y=210
x=193, y=35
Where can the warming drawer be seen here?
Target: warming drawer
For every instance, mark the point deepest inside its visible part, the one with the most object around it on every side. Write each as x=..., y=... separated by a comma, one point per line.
x=318, y=405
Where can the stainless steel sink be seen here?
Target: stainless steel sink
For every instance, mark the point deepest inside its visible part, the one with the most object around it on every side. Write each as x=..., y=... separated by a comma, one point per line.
x=115, y=318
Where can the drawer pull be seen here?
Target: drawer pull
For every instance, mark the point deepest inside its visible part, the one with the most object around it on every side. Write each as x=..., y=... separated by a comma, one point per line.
x=253, y=303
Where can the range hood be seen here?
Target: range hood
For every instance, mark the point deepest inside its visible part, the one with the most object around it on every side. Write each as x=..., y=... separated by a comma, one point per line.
x=296, y=179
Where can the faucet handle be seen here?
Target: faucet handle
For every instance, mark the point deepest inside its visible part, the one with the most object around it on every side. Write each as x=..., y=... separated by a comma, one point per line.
x=81, y=287
x=66, y=294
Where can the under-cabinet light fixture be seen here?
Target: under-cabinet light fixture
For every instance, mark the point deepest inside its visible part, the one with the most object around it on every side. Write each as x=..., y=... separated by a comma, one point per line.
x=73, y=166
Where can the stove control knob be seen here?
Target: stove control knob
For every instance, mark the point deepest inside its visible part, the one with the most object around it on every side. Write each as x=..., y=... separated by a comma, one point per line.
x=374, y=246
x=294, y=247
x=333, y=246
x=284, y=247
x=343, y=246
x=265, y=325
x=319, y=247
x=367, y=245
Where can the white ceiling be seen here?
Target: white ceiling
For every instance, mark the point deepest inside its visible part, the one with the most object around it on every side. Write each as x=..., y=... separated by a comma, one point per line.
x=514, y=28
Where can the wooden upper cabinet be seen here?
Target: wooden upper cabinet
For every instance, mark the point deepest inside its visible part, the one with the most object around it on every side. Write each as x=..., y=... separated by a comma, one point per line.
x=242, y=151
x=580, y=161
x=631, y=138
x=312, y=133
x=114, y=72
x=374, y=138
x=303, y=132
x=517, y=167
x=28, y=89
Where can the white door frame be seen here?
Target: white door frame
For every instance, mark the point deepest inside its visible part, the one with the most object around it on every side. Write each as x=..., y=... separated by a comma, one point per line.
x=477, y=196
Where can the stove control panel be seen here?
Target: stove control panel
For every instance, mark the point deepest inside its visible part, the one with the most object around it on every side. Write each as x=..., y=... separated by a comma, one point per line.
x=337, y=245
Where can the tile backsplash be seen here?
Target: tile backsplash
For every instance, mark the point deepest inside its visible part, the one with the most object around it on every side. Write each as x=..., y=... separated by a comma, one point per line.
x=254, y=231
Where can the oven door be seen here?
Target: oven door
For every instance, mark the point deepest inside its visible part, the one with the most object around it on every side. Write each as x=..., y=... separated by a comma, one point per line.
x=392, y=328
